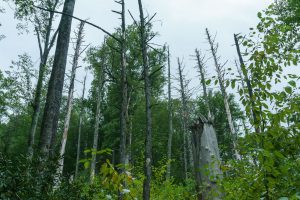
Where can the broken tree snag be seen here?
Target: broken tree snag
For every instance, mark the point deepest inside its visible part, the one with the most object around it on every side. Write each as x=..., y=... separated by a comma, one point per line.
x=206, y=159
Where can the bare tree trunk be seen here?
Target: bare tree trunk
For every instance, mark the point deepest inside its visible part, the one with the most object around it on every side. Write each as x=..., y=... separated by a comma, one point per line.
x=202, y=75
x=96, y=128
x=124, y=90
x=170, y=119
x=148, y=141
x=70, y=99
x=53, y=101
x=129, y=132
x=220, y=72
x=207, y=160
x=44, y=53
x=185, y=122
x=248, y=83
x=79, y=128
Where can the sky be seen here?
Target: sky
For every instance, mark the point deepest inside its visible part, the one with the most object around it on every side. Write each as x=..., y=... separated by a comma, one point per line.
x=180, y=23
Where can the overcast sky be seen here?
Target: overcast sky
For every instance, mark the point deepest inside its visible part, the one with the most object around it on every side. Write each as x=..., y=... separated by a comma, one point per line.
x=181, y=24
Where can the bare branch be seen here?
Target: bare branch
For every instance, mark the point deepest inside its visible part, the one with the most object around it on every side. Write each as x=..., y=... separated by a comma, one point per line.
x=81, y=20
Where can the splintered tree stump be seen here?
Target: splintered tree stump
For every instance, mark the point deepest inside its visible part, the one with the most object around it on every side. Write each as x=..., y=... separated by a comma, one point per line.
x=206, y=159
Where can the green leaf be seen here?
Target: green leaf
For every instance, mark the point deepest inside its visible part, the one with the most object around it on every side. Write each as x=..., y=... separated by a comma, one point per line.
x=259, y=15
x=292, y=83
x=288, y=90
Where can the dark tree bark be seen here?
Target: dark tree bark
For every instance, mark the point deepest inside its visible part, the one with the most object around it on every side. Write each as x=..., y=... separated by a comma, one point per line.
x=53, y=101
x=44, y=53
x=248, y=83
x=147, y=85
x=170, y=119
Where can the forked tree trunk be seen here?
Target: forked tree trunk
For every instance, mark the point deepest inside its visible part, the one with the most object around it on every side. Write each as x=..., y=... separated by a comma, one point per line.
x=70, y=99
x=53, y=101
x=79, y=128
x=44, y=53
x=206, y=160
x=170, y=119
x=221, y=80
x=147, y=87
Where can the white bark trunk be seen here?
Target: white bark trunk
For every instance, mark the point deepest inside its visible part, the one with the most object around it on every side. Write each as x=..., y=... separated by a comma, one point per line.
x=220, y=72
x=70, y=100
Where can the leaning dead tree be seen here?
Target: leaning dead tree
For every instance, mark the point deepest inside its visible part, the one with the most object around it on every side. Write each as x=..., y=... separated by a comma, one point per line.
x=54, y=94
x=80, y=127
x=147, y=88
x=206, y=159
x=170, y=116
x=76, y=56
x=245, y=77
x=46, y=38
x=221, y=79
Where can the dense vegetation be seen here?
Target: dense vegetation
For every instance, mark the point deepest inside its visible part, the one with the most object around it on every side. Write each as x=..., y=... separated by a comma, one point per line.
x=235, y=138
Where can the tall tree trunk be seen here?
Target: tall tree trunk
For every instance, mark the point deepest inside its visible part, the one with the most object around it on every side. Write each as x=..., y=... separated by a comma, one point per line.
x=207, y=160
x=220, y=73
x=188, y=154
x=248, y=83
x=53, y=101
x=148, y=141
x=202, y=76
x=124, y=91
x=44, y=53
x=80, y=127
x=170, y=119
x=96, y=128
x=70, y=99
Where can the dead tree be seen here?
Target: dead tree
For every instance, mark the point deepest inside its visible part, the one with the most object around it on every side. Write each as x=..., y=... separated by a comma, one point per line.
x=124, y=87
x=206, y=159
x=147, y=88
x=80, y=127
x=170, y=116
x=187, y=149
x=76, y=56
x=183, y=124
x=201, y=67
x=48, y=39
x=221, y=73
x=54, y=94
x=245, y=77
